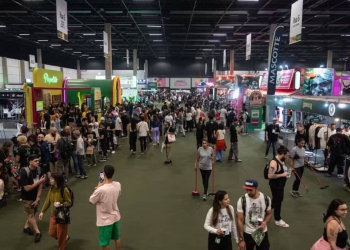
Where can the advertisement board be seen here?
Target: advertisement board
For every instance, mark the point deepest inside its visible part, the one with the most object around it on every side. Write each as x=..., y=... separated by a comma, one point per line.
x=127, y=82
x=296, y=21
x=318, y=82
x=225, y=81
x=161, y=82
x=247, y=81
x=284, y=79
x=341, y=84
x=180, y=83
x=202, y=82
x=47, y=78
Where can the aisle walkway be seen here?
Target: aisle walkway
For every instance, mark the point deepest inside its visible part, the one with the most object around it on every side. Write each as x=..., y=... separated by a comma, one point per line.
x=158, y=212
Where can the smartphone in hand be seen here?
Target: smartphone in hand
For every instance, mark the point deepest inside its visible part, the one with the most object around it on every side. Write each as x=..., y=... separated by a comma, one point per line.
x=102, y=177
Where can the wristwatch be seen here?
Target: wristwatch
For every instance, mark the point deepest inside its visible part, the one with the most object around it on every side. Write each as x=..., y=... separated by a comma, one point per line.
x=241, y=239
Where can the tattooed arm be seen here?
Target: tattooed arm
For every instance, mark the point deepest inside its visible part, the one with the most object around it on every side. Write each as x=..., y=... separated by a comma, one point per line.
x=332, y=233
x=273, y=169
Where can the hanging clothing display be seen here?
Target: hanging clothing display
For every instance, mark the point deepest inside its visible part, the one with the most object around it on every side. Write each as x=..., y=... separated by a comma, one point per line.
x=324, y=133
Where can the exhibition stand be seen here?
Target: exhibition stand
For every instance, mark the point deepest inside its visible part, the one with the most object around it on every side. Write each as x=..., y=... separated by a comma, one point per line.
x=254, y=103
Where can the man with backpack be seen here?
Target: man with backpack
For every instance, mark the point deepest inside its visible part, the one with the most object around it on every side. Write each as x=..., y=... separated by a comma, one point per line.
x=253, y=214
x=64, y=148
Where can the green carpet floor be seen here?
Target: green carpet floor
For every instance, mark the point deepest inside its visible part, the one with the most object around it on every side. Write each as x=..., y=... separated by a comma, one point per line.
x=158, y=211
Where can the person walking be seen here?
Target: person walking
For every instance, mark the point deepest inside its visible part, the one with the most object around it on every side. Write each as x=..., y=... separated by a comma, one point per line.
x=169, y=140
x=32, y=179
x=132, y=128
x=105, y=197
x=220, y=142
x=204, y=161
x=271, y=134
x=277, y=175
x=155, y=129
x=234, y=142
x=142, y=128
x=253, y=213
x=220, y=223
x=80, y=149
x=335, y=236
x=200, y=128
x=297, y=162
x=58, y=196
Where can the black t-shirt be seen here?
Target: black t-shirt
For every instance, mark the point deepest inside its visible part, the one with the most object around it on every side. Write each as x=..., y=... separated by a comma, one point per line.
x=34, y=175
x=211, y=128
x=110, y=126
x=103, y=131
x=233, y=134
x=23, y=152
x=272, y=136
x=200, y=131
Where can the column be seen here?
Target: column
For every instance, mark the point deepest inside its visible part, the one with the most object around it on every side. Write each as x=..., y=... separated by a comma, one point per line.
x=23, y=71
x=214, y=70
x=232, y=62
x=146, y=69
x=39, y=59
x=4, y=72
x=134, y=62
x=108, y=59
x=78, y=70
x=329, y=58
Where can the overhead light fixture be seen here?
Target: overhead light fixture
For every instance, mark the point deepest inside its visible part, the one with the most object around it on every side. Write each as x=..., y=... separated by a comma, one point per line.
x=321, y=66
x=98, y=40
x=226, y=27
x=85, y=55
x=75, y=26
x=265, y=68
x=154, y=26
x=345, y=34
x=207, y=49
x=214, y=41
x=2, y=26
x=89, y=34
x=198, y=57
x=76, y=52
x=157, y=40
x=24, y=34
x=43, y=40
x=266, y=41
x=303, y=27
x=90, y=57
x=161, y=57
x=114, y=49
x=55, y=45
x=281, y=67
x=219, y=34
x=68, y=49
x=155, y=34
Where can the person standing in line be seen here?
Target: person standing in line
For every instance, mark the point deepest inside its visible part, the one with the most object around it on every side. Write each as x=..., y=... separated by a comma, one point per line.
x=63, y=146
x=297, y=162
x=253, y=213
x=335, y=236
x=32, y=179
x=271, y=134
x=234, y=142
x=118, y=129
x=220, y=223
x=204, y=161
x=105, y=197
x=278, y=177
x=142, y=128
x=58, y=196
x=80, y=154
x=102, y=132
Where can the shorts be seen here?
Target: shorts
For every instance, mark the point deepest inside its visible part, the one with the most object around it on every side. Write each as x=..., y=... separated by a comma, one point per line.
x=28, y=208
x=118, y=133
x=108, y=233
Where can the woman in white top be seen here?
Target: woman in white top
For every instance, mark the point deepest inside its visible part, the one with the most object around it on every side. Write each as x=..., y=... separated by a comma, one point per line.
x=220, y=143
x=220, y=223
x=189, y=120
x=142, y=128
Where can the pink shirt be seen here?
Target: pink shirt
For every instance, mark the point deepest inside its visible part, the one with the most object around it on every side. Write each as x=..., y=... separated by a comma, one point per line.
x=106, y=198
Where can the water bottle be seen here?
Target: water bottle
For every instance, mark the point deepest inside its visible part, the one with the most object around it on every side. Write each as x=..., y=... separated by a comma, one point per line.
x=288, y=170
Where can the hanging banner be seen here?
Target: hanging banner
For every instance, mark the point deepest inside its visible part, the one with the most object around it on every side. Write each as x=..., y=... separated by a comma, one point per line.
x=127, y=57
x=212, y=64
x=205, y=68
x=31, y=61
x=296, y=21
x=62, y=20
x=273, y=59
x=105, y=44
x=224, y=58
x=248, y=50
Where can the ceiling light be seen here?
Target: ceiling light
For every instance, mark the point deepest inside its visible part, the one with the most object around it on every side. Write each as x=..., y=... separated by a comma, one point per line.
x=24, y=34
x=77, y=52
x=155, y=34
x=75, y=26
x=266, y=41
x=85, y=55
x=91, y=57
x=198, y=57
x=226, y=27
x=55, y=45
x=157, y=40
x=219, y=34
x=43, y=40
x=214, y=41
x=154, y=26
x=207, y=49
x=345, y=34
x=161, y=57
x=230, y=40
x=321, y=66
x=2, y=26
x=68, y=49
x=114, y=49
x=98, y=40
x=303, y=27
x=89, y=34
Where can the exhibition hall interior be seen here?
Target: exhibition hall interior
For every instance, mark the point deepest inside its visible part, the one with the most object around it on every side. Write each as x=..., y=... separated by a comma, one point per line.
x=272, y=76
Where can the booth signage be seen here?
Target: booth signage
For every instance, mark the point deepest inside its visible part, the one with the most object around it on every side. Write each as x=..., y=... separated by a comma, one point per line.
x=296, y=21
x=338, y=110
x=273, y=67
x=105, y=44
x=331, y=109
x=31, y=61
x=97, y=94
x=11, y=95
x=47, y=79
x=62, y=19
x=248, y=47
x=152, y=85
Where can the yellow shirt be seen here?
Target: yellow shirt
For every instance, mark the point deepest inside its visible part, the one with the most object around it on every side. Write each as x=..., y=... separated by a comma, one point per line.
x=53, y=196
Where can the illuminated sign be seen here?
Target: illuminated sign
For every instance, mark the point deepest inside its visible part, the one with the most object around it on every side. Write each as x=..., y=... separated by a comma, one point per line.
x=47, y=79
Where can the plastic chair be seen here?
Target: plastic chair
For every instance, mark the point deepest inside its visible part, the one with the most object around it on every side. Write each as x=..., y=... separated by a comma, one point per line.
x=2, y=130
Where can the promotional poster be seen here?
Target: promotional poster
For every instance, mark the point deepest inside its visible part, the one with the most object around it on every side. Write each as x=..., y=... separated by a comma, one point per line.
x=318, y=82
x=341, y=84
x=247, y=81
x=202, y=82
x=180, y=83
x=161, y=82
x=225, y=81
x=284, y=79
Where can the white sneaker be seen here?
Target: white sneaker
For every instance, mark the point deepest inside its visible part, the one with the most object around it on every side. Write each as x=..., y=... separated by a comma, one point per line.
x=340, y=176
x=281, y=223
x=204, y=197
x=113, y=152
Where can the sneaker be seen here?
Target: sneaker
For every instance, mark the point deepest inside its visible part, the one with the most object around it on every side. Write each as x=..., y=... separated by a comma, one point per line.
x=294, y=193
x=204, y=197
x=19, y=199
x=340, y=176
x=78, y=176
x=265, y=156
x=298, y=194
x=89, y=165
x=37, y=237
x=83, y=177
x=19, y=189
x=94, y=165
x=103, y=160
x=281, y=223
x=68, y=238
x=113, y=152
x=142, y=153
x=328, y=175
x=28, y=231
x=238, y=160
x=154, y=144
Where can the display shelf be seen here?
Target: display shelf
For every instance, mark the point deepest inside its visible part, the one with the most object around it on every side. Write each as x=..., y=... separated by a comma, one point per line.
x=319, y=164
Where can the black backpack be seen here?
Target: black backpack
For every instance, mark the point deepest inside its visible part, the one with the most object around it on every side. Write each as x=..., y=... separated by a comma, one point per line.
x=70, y=193
x=244, y=204
x=248, y=117
x=266, y=171
x=65, y=149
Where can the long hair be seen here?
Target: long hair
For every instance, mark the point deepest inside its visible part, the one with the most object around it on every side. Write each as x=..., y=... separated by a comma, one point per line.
x=333, y=206
x=6, y=147
x=59, y=179
x=219, y=196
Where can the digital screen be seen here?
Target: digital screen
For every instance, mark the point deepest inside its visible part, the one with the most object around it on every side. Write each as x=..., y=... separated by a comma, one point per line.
x=39, y=105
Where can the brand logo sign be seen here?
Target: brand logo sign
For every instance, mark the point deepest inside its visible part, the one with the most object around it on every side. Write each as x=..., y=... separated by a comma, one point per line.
x=331, y=109
x=273, y=67
x=307, y=105
x=49, y=80
x=296, y=21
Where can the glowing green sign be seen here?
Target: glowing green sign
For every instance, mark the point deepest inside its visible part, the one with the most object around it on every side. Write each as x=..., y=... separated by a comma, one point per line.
x=49, y=80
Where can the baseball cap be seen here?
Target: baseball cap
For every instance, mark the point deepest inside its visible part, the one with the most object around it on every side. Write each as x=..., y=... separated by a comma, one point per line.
x=338, y=130
x=250, y=184
x=274, y=119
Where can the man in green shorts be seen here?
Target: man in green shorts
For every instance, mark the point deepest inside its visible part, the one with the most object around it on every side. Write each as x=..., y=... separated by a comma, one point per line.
x=105, y=197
